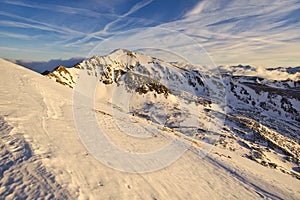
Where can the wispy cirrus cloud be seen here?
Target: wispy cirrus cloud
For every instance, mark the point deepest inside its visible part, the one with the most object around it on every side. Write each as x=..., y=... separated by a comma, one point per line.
x=196, y=10
x=133, y=9
x=263, y=33
x=31, y=23
x=71, y=34
x=29, y=26
x=23, y=50
x=59, y=8
x=106, y=29
x=73, y=27
x=17, y=36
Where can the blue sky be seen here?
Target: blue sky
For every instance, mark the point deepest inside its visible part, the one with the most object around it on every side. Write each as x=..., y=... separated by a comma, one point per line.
x=231, y=31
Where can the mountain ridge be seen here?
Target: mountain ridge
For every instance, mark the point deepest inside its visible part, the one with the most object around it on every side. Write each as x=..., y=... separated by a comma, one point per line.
x=260, y=100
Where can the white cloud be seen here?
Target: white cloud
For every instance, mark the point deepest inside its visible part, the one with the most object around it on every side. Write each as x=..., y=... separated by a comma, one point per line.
x=18, y=36
x=196, y=10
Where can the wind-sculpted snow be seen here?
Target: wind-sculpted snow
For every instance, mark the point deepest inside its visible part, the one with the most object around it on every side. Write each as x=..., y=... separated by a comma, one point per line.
x=22, y=175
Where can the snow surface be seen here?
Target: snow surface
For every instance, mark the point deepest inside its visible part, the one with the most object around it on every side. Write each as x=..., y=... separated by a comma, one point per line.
x=39, y=112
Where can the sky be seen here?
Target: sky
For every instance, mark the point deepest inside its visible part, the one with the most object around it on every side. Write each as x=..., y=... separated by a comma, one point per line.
x=255, y=32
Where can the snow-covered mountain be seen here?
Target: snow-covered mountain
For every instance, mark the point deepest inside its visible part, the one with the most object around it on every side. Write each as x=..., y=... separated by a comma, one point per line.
x=176, y=94
x=43, y=157
x=259, y=115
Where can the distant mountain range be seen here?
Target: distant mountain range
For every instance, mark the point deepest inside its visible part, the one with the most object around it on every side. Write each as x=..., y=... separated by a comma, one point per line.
x=290, y=70
x=42, y=66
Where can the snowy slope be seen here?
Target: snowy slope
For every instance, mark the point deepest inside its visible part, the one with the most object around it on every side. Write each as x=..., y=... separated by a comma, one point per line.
x=39, y=112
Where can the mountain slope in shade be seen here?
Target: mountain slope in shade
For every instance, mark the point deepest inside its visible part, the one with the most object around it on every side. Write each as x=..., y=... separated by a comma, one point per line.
x=40, y=112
